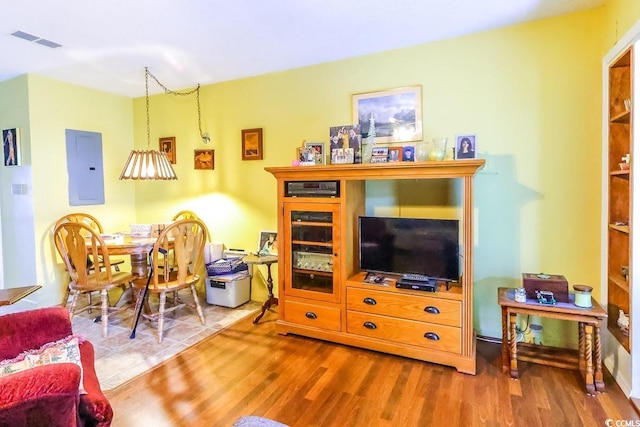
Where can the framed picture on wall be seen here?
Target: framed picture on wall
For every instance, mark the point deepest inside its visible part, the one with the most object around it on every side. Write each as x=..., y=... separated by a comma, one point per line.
x=11, y=145
x=252, y=144
x=395, y=114
x=465, y=147
x=203, y=159
x=168, y=146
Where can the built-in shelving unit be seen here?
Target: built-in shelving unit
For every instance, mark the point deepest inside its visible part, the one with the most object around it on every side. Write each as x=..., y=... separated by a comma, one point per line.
x=619, y=203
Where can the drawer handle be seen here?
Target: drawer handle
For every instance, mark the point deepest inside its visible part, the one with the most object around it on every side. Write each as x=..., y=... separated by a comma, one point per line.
x=369, y=325
x=369, y=301
x=431, y=309
x=311, y=315
x=432, y=336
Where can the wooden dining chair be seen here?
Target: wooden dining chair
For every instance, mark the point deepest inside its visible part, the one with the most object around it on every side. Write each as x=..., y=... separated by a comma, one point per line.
x=78, y=243
x=92, y=222
x=177, y=262
x=186, y=214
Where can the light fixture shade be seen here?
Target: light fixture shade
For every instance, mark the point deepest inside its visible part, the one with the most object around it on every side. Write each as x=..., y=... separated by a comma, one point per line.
x=148, y=164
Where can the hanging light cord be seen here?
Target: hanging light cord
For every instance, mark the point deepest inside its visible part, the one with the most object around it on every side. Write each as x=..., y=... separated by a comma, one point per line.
x=205, y=137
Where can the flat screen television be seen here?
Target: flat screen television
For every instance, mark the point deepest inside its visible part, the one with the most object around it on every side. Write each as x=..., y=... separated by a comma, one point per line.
x=409, y=245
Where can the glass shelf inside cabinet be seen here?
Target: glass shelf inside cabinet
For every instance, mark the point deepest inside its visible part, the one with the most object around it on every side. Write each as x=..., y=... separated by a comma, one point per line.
x=312, y=251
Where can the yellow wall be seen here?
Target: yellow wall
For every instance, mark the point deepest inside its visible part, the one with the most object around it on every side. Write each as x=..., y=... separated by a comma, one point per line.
x=54, y=107
x=530, y=92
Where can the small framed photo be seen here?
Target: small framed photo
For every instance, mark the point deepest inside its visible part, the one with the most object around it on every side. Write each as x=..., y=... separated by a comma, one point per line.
x=317, y=150
x=342, y=156
x=168, y=146
x=380, y=151
x=465, y=147
x=252, y=144
x=379, y=159
x=268, y=243
x=395, y=154
x=203, y=159
x=408, y=153
x=345, y=136
x=11, y=145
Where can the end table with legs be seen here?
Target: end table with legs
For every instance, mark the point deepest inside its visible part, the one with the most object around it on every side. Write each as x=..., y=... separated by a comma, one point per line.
x=253, y=260
x=589, y=357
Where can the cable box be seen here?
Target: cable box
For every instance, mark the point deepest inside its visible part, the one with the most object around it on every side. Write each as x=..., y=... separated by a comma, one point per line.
x=430, y=286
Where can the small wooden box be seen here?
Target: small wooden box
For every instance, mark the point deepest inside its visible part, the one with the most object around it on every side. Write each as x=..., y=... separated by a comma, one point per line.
x=533, y=282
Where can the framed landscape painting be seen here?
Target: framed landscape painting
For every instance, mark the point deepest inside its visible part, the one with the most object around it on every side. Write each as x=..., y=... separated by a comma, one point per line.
x=252, y=144
x=395, y=115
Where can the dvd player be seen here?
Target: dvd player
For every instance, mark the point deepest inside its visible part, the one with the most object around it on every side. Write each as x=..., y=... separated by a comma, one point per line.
x=312, y=189
x=430, y=286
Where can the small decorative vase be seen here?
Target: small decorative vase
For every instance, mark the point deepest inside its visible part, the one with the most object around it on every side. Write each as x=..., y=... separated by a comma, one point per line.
x=438, y=149
x=422, y=152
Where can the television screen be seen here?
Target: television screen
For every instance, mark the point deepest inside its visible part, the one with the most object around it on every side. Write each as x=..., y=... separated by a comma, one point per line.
x=409, y=245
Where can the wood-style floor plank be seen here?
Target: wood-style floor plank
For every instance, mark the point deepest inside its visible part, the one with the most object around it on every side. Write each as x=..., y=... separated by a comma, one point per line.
x=251, y=370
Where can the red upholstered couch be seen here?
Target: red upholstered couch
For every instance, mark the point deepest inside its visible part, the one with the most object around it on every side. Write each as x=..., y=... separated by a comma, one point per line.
x=48, y=395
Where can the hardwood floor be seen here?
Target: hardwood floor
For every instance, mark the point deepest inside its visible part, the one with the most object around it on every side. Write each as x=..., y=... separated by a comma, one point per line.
x=250, y=370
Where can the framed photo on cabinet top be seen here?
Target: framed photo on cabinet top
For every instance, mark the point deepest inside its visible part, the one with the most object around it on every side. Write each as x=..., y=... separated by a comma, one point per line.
x=408, y=153
x=252, y=144
x=11, y=145
x=465, y=147
x=168, y=146
x=395, y=154
x=318, y=151
x=395, y=115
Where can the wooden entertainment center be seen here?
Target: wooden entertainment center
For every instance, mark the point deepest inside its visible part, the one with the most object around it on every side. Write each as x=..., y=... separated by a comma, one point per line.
x=323, y=294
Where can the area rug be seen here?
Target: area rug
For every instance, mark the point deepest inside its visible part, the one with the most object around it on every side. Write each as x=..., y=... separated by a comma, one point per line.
x=120, y=358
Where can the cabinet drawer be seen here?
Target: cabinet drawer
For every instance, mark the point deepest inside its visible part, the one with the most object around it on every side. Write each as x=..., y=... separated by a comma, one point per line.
x=421, y=308
x=317, y=316
x=428, y=335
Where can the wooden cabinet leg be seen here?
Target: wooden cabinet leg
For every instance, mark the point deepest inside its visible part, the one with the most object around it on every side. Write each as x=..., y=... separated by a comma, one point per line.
x=505, y=340
x=513, y=346
x=588, y=378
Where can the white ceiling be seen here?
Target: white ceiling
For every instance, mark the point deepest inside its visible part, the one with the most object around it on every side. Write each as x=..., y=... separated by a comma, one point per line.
x=107, y=43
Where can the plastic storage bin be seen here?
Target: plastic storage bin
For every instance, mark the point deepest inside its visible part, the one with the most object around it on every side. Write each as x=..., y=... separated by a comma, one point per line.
x=228, y=292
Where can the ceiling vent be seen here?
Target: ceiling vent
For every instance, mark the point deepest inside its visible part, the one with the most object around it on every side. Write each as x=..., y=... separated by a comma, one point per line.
x=32, y=38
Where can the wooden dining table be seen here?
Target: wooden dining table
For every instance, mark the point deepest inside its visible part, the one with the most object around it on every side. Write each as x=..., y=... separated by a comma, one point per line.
x=137, y=248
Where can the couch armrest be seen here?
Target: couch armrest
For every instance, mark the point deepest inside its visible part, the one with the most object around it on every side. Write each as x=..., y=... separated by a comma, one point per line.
x=94, y=407
x=44, y=395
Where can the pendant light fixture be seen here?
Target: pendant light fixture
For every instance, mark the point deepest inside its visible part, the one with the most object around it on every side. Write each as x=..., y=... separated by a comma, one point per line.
x=152, y=164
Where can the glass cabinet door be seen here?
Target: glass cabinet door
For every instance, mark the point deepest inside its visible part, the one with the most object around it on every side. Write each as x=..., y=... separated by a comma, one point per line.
x=312, y=250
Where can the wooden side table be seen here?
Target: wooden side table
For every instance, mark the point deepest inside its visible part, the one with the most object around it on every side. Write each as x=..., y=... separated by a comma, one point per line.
x=13, y=295
x=264, y=260
x=589, y=320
